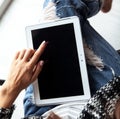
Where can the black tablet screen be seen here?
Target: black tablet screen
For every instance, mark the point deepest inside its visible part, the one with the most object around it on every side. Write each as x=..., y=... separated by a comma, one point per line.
x=61, y=75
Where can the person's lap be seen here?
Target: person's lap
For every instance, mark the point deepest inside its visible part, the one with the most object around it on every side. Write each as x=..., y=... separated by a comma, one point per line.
x=99, y=46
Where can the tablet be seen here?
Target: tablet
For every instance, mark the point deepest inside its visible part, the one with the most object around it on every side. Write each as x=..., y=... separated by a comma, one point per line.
x=64, y=76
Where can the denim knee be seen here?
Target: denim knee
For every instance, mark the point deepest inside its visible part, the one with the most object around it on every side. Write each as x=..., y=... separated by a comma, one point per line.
x=30, y=109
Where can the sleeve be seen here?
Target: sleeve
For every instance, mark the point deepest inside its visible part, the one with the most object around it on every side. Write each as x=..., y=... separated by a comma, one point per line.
x=6, y=113
x=102, y=104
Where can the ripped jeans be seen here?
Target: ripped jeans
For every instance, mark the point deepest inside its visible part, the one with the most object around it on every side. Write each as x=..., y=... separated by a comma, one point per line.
x=107, y=58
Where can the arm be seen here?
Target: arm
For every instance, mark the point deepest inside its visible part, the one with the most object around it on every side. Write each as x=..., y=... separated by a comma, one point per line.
x=24, y=70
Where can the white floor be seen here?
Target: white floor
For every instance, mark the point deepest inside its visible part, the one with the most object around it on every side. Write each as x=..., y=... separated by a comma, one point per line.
x=27, y=12
x=108, y=25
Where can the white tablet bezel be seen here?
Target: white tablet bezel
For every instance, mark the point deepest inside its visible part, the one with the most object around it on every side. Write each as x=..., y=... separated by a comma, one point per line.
x=81, y=57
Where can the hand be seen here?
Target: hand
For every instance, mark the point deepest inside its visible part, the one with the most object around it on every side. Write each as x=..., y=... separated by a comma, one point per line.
x=107, y=4
x=53, y=116
x=24, y=70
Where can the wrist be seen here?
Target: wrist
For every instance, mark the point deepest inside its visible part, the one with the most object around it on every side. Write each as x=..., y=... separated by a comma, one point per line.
x=7, y=96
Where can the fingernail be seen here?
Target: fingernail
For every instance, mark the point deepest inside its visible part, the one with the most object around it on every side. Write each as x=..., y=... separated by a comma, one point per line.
x=43, y=42
x=41, y=63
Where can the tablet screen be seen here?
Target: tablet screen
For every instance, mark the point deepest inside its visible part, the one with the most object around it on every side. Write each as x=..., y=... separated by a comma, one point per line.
x=61, y=75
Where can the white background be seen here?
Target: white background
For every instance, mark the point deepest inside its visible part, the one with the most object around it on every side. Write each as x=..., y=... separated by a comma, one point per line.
x=22, y=13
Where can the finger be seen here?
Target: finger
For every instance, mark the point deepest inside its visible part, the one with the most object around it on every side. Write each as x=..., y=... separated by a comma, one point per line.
x=28, y=54
x=37, y=54
x=21, y=55
x=37, y=70
x=17, y=55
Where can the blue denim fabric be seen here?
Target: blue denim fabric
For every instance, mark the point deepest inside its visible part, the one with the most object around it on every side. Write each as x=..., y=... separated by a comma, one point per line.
x=103, y=49
x=111, y=59
x=30, y=109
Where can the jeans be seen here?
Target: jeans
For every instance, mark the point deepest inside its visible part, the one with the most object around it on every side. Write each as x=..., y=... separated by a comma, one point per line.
x=101, y=48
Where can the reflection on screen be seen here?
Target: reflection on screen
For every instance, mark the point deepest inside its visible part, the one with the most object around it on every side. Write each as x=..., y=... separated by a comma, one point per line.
x=60, y=76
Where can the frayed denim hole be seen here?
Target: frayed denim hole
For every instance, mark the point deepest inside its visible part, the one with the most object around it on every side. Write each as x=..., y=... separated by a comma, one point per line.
x=57, y=2
x=62, y=12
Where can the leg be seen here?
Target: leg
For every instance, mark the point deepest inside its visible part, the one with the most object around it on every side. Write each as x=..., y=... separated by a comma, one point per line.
x=30, y=109
x=100, y=47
